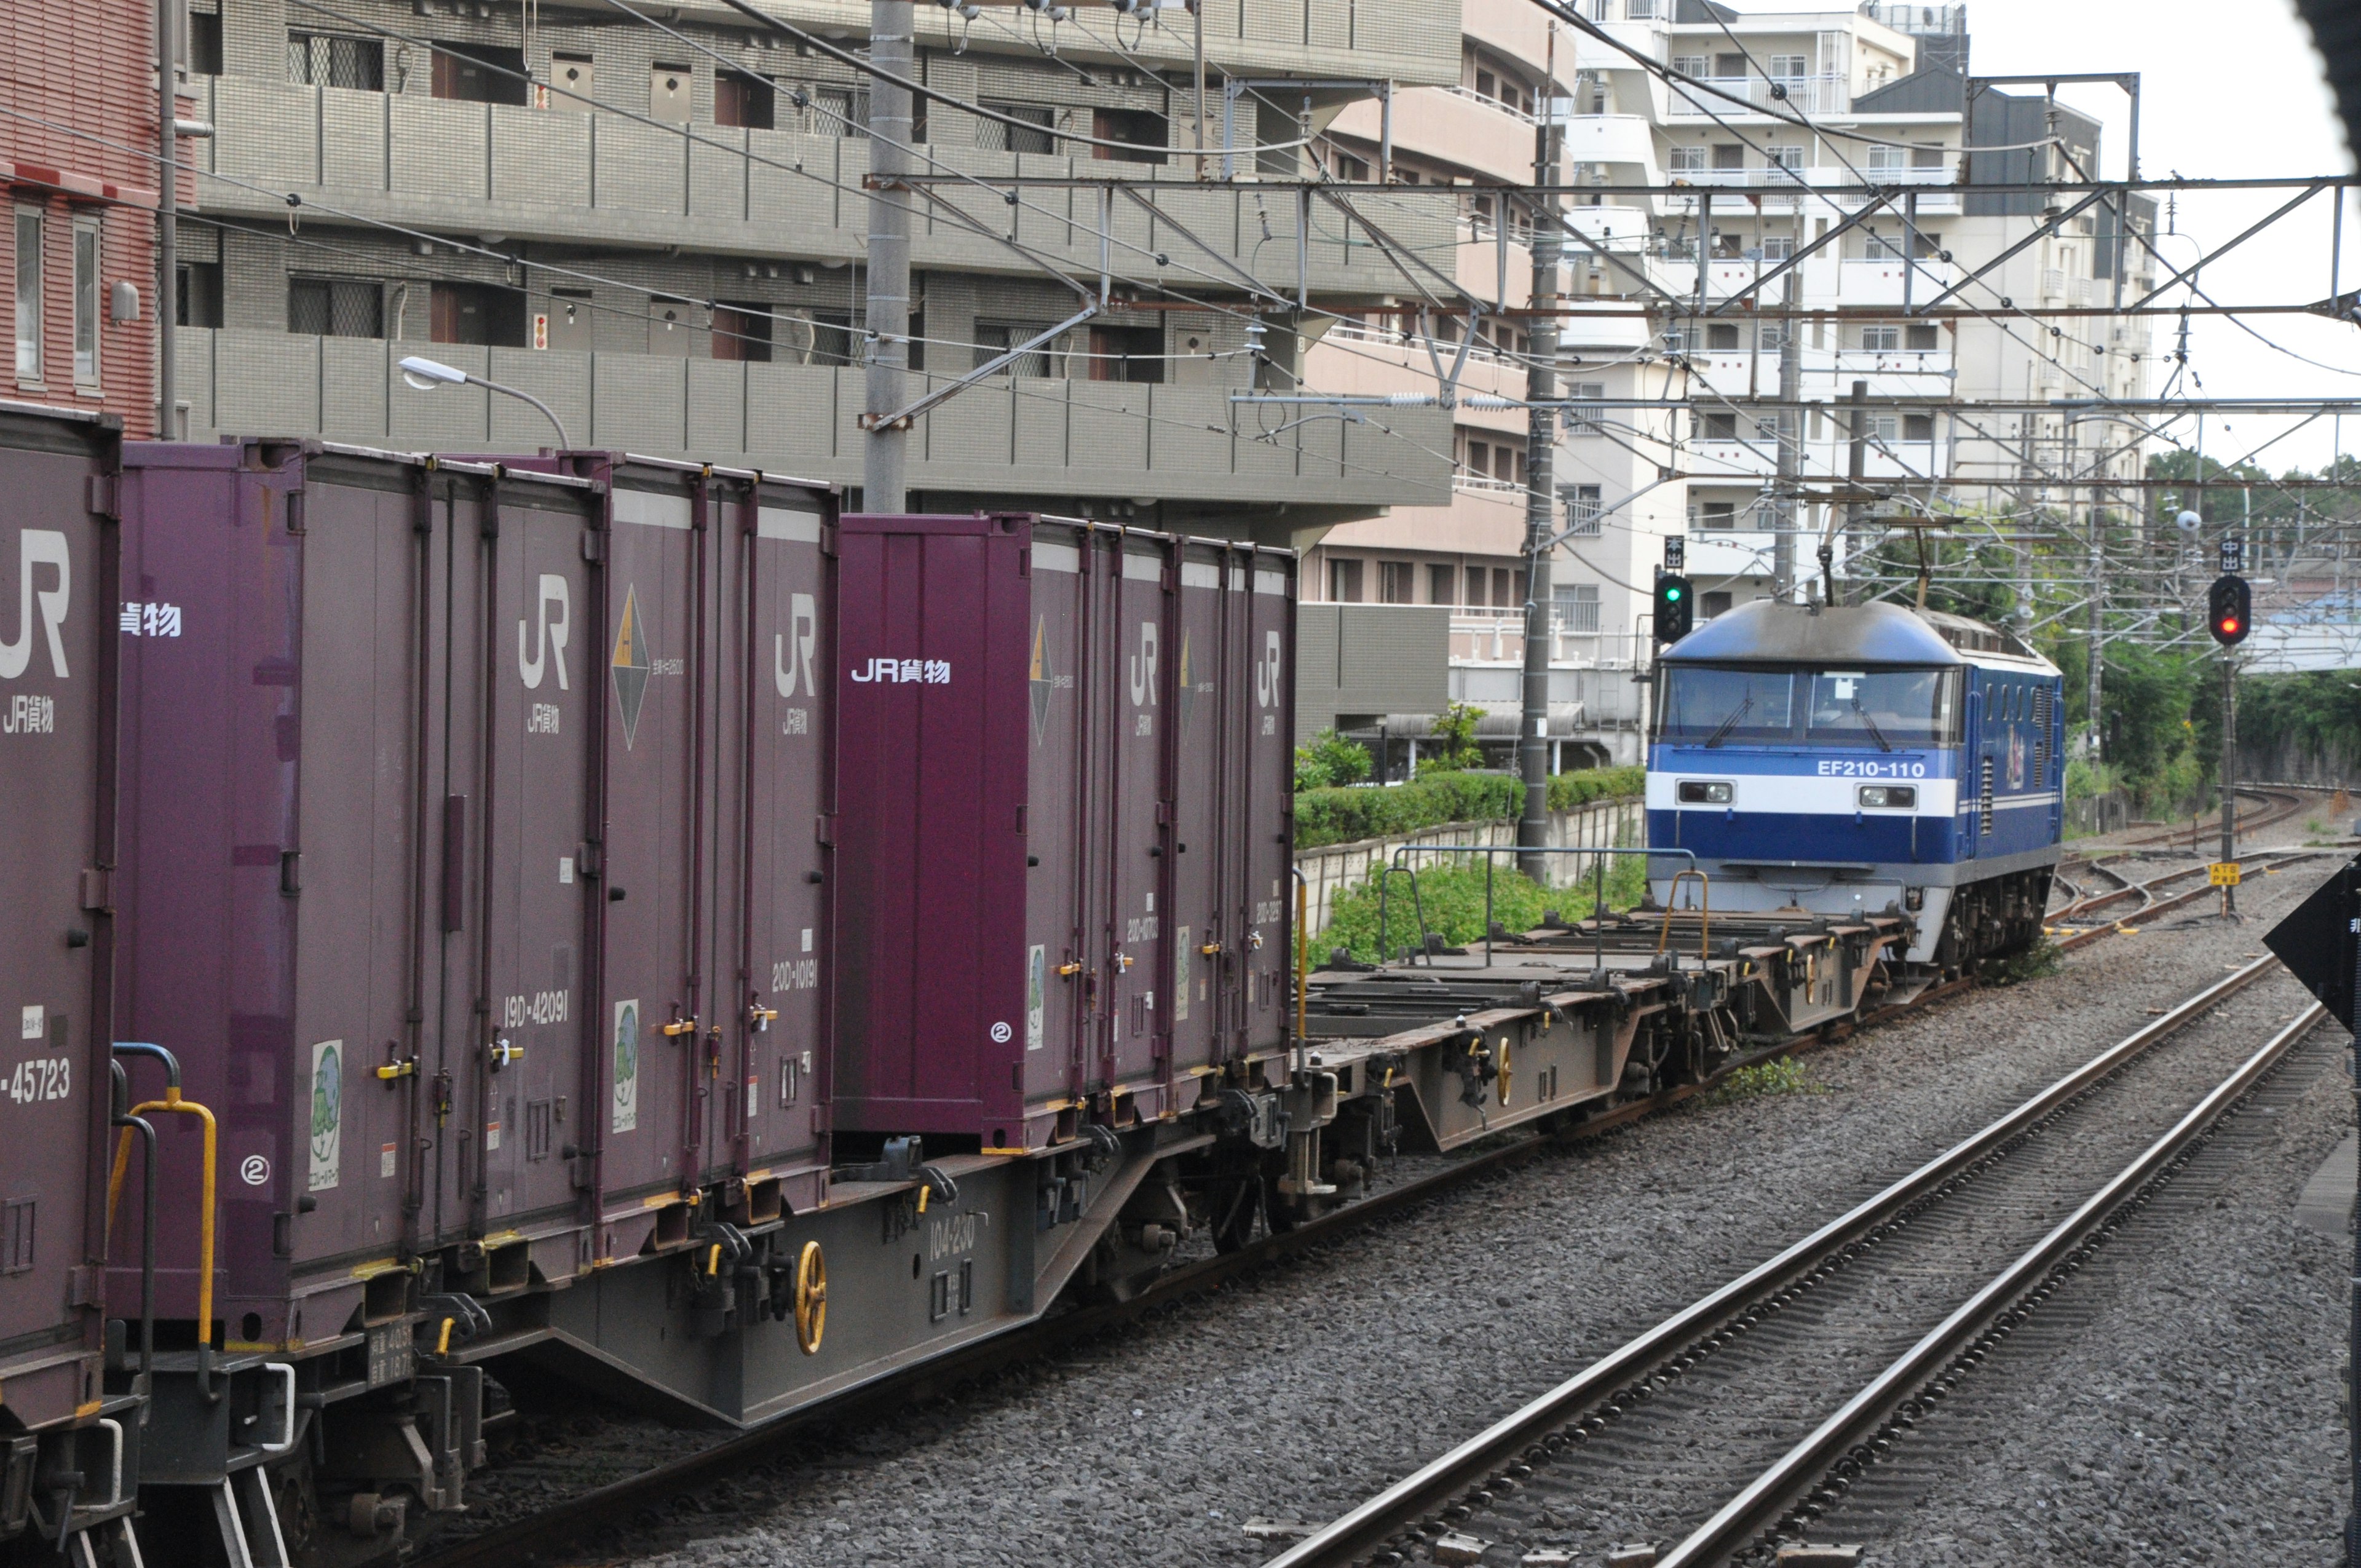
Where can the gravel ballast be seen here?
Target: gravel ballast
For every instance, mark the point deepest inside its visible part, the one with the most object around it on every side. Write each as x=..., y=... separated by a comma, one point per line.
x=1298, y=1392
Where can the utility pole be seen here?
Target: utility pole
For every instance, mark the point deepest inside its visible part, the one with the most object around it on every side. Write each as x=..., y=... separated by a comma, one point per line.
x=1856, y=471
x=884, y=462
x=1791, y=450
x=167, y=222
x=1541, y=490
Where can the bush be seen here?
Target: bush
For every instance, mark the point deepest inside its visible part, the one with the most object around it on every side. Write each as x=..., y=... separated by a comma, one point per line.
x=1454, y=742
x=1452, y=899
x=1342, y=815
x=1329, y=762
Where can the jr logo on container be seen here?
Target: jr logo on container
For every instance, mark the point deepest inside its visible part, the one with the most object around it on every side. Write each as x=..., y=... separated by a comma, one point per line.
x=551, y=638
x=38, y=547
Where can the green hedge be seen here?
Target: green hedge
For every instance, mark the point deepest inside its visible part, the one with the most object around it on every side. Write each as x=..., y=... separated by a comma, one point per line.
x=1452, y=899
x=1341, y=816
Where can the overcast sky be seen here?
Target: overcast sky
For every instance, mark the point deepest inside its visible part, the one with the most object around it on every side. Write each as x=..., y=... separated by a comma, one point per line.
x=2226, y=90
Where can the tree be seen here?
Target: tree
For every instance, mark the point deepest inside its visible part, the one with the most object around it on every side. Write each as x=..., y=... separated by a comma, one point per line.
x=1330, y=759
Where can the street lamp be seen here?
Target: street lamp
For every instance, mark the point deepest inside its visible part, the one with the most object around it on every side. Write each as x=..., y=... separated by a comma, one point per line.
x=424, y=375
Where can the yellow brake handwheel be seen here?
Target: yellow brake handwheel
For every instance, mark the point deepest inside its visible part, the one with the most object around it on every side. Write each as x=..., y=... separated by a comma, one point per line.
x=811, y=1298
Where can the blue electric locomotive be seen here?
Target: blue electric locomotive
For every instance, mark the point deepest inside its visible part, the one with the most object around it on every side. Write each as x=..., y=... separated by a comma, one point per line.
x=1848, y=759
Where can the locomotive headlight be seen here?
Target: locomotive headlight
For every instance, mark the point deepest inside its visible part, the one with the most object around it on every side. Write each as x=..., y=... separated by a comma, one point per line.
x=1875, y=797
x=1704, y=792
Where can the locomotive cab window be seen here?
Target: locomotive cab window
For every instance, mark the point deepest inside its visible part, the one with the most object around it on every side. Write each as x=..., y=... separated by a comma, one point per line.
x=1704, y=792
x=1708, y=707
x=1883, y=709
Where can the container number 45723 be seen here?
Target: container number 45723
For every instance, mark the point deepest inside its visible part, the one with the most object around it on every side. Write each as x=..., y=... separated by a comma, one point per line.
x=51, y=1078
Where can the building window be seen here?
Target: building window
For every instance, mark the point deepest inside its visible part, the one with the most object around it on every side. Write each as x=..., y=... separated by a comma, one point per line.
x=1926, y=156
x=1127, y=353
x=30, y=235
x=1717, y=516
x=1790, y=67
x=198, y=300
x=1034, y=133
x=1584, y=415
x=1917, y=427
x=1443, y=585
x=1396, y=582
x=202, y=38
x=1729, y=156
x=1345, y=581
x=334, y=60
x=1885, y=339
x=834, y=340
x=1713, y=602
x=86, y=291
x=1479, y=590
x=1578, y=608
x=1778, y=248
x=344, y=307
x=1722, y=335
x=1688, y=161
x=993, y=339
x=1692, y=65
x=1721, y=426
x=477, y=313
x=1143, y=129
x=1639, y=10
x=1882, y=160
x=1923, y=338
x=742, y=331
x=1583, y=508
x=478, y=73
x=1786, y=157
x=744, y=101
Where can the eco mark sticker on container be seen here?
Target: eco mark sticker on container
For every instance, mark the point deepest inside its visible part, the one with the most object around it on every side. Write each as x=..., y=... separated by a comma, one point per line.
x=627, y=1066
x=385, y=1152
x=36, y=1022
x=1037, y=989
x=328, y=1114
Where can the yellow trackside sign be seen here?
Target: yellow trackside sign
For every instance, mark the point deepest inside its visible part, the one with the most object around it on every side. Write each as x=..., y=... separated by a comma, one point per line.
x=2223, y=873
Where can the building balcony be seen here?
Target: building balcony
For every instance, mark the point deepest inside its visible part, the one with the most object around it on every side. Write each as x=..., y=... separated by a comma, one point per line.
x=1813, y=95
x=1517, y=28
x=563, y=175
x=1490, y=522
x=1007, y=434
x=1353, y=360
x=1455, y=124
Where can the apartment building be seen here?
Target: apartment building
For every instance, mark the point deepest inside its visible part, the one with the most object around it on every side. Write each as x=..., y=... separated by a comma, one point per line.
x=654, y=220
x=78, y=253
x=1674, y=353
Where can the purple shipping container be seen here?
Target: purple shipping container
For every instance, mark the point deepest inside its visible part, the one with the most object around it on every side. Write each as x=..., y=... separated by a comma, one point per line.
x=469, y=841
x=1077, y=722
x=351, y=819
x=57, y=726
x=714, y=631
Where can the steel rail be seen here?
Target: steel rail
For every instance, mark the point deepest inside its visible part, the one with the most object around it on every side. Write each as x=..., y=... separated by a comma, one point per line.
x=1365, y=1527
x=621, y=1499
x=1769, y=1497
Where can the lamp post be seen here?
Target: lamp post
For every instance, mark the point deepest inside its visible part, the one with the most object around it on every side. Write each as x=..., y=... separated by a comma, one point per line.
x=424, y=375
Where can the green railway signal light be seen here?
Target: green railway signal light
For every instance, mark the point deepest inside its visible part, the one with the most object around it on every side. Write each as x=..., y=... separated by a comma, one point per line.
x=1676, y=608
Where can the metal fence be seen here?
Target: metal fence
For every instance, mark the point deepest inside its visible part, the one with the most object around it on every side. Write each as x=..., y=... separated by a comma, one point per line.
x=1334, y=869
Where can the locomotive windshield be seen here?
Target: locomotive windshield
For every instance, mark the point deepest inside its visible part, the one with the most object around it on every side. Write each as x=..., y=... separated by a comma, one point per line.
x=1709, y=706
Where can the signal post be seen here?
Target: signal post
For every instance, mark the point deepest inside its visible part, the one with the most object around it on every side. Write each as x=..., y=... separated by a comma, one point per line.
x=2229, y=616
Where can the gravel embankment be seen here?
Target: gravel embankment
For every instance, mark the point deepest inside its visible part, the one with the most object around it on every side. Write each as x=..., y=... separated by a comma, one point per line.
x=1301, y=1391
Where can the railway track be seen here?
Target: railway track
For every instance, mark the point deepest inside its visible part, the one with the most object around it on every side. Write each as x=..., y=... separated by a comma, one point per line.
x=657, y=1488
x=1717, y=1429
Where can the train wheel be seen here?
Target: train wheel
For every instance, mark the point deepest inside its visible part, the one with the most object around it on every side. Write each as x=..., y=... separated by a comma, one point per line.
x=1235, y=1201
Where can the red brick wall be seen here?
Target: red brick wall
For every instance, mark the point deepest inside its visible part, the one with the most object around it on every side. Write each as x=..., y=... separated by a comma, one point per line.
x=86, y=67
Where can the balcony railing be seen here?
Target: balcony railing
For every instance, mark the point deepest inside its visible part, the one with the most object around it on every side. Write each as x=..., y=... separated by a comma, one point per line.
x=1789, y=94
